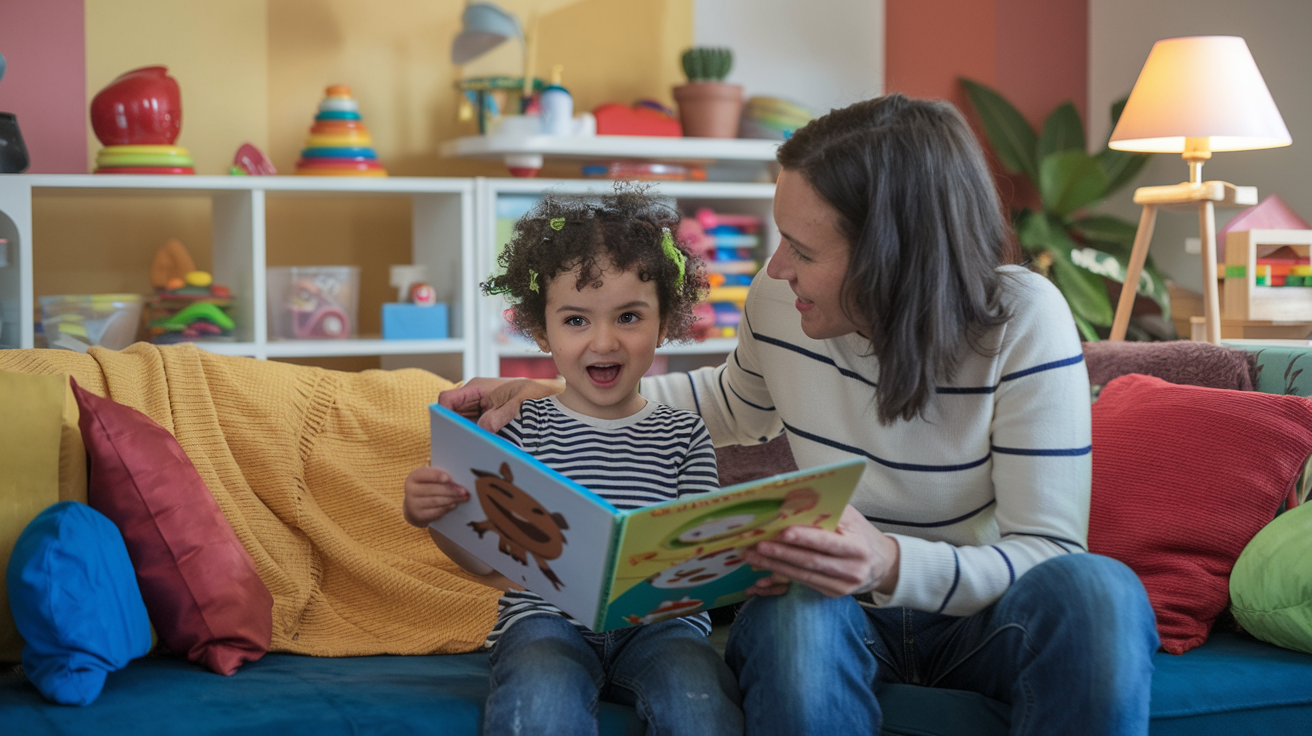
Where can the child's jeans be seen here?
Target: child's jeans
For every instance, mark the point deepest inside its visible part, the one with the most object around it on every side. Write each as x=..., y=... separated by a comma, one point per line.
x=547, y=678
x=1069, y=646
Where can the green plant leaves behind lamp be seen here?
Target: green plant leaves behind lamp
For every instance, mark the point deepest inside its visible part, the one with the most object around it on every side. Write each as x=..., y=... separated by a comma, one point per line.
x=1074, y=248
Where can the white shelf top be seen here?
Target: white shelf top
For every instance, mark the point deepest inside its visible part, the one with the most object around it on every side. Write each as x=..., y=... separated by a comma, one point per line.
x=610, y=147
x=681, y=189
x=189, y=183
x=365, y=346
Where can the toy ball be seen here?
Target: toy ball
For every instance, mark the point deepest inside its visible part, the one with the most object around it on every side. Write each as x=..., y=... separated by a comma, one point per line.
x=423, y=295
x=198, y=278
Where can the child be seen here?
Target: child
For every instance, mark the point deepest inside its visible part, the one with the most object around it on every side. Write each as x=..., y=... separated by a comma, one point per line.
x=599, y=287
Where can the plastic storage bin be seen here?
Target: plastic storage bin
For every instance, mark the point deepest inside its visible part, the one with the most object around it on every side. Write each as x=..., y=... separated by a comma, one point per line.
x=313, y=302
x=79, y=321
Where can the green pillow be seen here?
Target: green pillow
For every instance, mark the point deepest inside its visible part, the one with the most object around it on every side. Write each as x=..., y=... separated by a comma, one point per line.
x=1271, y=584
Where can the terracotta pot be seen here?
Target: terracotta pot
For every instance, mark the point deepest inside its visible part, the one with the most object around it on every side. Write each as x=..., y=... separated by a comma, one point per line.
x=140, y=107
x=709, y=109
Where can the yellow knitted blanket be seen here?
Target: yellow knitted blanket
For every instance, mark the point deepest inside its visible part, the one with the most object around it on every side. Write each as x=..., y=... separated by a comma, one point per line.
x=308, y=466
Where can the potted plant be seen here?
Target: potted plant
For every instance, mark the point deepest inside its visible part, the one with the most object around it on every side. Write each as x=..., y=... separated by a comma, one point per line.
x=1079, y=250
x=709, y=108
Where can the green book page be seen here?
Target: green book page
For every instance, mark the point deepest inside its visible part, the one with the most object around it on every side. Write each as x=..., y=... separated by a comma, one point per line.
x=685, y=556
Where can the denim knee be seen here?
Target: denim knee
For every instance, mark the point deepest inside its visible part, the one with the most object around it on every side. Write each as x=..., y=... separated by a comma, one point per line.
x=1094, y=599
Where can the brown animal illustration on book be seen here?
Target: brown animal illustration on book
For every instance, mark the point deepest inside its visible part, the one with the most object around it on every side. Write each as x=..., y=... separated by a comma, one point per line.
x=522, y=524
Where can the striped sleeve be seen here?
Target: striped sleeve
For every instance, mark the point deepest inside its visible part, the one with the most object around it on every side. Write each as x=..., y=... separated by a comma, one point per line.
x=1041, y=468
x=732, y=399
x=698, y=473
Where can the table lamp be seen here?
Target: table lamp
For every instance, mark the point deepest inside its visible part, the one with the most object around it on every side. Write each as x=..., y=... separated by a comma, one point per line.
x=1194, y=96
x=483, y=27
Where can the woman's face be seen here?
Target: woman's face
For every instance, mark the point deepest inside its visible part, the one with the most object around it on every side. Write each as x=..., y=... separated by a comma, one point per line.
x=812, y=256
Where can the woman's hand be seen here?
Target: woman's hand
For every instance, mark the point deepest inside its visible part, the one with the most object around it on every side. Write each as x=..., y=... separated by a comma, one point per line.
x=493, y=402
x=429, y=495
x=854, y=558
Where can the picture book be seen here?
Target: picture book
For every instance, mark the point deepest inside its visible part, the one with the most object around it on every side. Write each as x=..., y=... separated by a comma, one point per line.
x=610, y=568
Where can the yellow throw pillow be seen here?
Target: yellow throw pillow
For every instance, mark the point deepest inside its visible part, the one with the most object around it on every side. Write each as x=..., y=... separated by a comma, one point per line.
x=42, y=461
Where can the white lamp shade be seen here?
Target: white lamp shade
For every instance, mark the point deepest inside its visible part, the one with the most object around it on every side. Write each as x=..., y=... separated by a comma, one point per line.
x=1199, y=87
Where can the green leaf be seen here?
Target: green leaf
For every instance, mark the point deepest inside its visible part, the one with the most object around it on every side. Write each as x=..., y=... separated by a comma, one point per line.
x=1012, y=138
x=1033, y=231
x=1087, y=331
x=1121, y=167
x=1062, y=131
x=1152, y=283
x=1105, y=229
x=1084, y=291
x=1069, y=181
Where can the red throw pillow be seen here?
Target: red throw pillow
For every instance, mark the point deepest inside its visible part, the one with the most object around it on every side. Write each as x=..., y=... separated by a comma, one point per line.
x=1183, y=478
x=199, y=584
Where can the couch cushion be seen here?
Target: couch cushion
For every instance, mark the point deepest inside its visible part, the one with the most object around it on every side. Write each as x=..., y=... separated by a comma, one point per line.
x=200, y=586
x=1229, y=685
x=1183, y=477
x=42, y=462
x=75, y=600
x=1271, y=585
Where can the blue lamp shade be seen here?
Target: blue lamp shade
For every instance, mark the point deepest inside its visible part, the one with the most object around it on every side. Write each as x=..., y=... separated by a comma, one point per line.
x=484, y=26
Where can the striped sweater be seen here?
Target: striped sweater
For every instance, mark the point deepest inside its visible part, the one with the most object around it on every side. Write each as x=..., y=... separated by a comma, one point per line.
x=655, y=455
x=994, y=481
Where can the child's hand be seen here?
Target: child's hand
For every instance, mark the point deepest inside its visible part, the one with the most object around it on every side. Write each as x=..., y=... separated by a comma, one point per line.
x=429, y=495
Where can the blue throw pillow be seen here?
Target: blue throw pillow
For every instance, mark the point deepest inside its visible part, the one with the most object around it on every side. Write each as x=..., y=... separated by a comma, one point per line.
x=76, y=602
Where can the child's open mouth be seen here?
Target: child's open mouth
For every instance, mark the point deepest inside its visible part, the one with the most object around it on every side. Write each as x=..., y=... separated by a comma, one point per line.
x=604, y=374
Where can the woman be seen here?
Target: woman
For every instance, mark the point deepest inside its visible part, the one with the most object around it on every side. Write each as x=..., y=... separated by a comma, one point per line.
x=887, y=326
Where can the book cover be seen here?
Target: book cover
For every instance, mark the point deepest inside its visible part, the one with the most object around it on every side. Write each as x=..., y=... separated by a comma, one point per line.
x=610, y=568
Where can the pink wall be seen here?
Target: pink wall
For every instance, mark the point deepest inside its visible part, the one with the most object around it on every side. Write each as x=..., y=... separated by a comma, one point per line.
x=45, y=85
x=1035, y=52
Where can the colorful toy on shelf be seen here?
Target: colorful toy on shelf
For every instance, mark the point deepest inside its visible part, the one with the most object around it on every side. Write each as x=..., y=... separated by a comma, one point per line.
x=644, y=171
x=729, y=243
x=187, y=305
x=486, y=99
x=313, y=302
x=640, y=119
x=251, y=161
x=418, y=316
x=557, y=107
x=339, y=144
x=772, y=118
x=138, y=117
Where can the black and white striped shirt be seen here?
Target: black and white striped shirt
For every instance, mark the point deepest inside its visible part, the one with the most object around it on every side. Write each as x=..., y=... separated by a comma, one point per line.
x=655, y=455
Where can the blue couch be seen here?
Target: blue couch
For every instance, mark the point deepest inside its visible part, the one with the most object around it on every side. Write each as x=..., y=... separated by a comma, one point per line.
x=1232, y=684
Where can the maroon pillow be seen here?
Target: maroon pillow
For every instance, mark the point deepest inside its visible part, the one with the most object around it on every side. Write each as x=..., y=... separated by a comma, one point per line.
x=199, y=584
x=1183, y=477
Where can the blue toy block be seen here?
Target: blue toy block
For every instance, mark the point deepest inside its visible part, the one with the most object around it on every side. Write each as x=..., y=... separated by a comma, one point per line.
x=413, y=322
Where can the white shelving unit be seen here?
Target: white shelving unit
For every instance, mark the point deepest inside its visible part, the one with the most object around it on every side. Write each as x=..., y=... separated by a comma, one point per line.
x=454, y=229
x=442, y=213
x=745, y=198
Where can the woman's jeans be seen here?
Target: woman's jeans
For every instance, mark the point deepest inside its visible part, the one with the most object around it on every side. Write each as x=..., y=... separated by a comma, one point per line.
x=1069, y=646
x=547, y=677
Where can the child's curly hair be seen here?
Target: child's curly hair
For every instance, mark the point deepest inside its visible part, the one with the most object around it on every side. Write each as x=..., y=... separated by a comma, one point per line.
x=623, y=230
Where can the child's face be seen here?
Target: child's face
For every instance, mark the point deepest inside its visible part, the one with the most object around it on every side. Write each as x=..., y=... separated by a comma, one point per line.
x=603, y=339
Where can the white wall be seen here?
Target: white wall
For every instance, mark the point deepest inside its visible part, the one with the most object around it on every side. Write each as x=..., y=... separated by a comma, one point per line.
x=1121, y=32
x=821, y=53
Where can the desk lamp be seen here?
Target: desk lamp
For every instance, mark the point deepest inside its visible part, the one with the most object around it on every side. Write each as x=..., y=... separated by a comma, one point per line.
x=483, y=27
x=1194, y=96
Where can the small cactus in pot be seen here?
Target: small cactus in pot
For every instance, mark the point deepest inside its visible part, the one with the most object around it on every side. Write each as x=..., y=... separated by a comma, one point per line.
x=706, y=64
x=708, y=107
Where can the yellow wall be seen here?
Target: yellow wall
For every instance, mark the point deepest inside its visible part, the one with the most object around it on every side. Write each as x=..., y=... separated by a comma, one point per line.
x=218, y=52
x=255, y=70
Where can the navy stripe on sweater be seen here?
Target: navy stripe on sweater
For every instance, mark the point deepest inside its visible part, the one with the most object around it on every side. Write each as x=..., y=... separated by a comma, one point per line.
x=956, y=578
x=931, y=524
x=853, y=450
x=1059, y=452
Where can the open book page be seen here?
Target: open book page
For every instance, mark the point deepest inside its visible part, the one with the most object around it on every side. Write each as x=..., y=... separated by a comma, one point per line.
x=684, y=556
x=532, y=524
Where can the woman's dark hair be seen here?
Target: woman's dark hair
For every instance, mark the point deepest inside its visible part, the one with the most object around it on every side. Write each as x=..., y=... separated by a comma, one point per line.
x=623, y=230
x=921, y=213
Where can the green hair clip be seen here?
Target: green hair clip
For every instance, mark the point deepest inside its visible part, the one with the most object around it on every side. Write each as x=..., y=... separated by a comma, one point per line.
x=533, y=281
x=557, y=223
x=674, y=254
